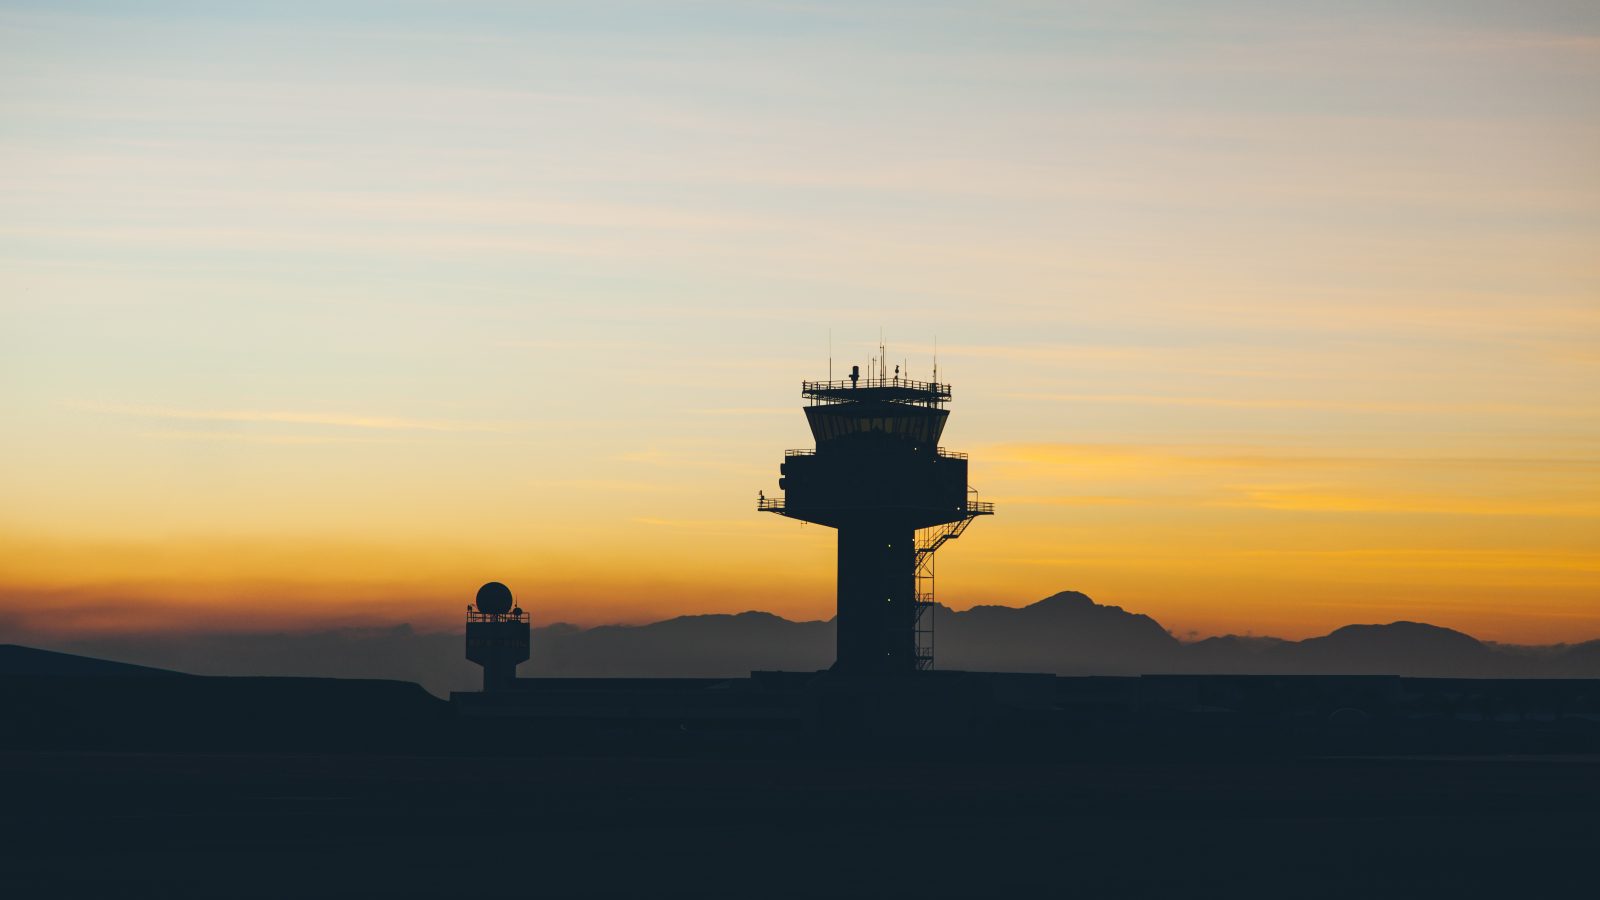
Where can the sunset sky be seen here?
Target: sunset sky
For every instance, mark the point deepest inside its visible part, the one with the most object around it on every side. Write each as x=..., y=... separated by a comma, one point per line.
x=1260, y=317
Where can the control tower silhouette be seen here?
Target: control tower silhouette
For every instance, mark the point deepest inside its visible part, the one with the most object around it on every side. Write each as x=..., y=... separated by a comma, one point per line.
x=879, y=476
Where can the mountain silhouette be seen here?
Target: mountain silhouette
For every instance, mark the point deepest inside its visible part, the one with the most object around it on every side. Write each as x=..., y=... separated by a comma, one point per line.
x=1399, y=648
x=1066, y=633
x=686, y=645
x=1233, y=654
x=1585, y=653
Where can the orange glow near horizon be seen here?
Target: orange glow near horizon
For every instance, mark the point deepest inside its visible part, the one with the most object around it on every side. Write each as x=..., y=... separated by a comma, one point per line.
x=1258, y=318
x=1190, y=539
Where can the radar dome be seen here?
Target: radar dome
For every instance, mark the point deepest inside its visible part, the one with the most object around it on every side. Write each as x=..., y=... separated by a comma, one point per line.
x=494, y=598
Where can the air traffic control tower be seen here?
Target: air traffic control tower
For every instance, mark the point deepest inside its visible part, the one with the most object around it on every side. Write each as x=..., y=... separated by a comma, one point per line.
x=879, y=476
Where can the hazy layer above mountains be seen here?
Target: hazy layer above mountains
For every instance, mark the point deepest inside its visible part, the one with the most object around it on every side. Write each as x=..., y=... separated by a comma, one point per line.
x=1068, y=634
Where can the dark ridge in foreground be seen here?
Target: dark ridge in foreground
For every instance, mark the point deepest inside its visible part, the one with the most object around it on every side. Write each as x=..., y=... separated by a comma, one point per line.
x=787, y=713
x=18, y=660
x=1319, y=786
x=392, y=826
x=205, y=714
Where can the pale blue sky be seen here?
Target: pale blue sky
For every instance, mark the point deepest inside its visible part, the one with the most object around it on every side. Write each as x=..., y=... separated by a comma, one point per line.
x=266, y=268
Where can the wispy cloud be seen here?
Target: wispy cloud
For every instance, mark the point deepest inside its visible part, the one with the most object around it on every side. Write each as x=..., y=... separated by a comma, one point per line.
x=290, y=417
x=608, y=485
x=1371, y=406
x=1201, y=477
x=1067, y=500
x=236, y=437
x=1333, y=499
x=743, y=411
x=1215, y=455
x=690, y=523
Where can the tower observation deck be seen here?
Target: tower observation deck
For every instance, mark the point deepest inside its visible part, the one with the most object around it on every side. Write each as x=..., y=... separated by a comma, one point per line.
x=879, y=476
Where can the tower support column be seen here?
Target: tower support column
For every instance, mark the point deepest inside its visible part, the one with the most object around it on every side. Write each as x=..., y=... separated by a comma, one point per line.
x=876, y=626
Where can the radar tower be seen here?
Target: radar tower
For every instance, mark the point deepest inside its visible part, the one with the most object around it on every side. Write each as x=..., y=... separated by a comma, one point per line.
x=497, y=636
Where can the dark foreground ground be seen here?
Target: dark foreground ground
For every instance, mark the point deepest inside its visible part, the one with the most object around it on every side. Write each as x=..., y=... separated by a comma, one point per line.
x=129, y=786
x=241, y=825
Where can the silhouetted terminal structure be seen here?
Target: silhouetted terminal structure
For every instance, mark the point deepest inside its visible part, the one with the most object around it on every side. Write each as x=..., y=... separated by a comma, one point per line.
x=879, y=476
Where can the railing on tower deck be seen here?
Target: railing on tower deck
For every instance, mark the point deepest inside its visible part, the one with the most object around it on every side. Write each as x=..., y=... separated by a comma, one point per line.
x=947, y=454
x=513, y=616
x=971, y=507
x=929, y=391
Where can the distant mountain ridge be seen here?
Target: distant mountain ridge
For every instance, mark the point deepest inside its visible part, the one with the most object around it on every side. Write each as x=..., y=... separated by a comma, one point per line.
x=1066, y=633
x=717, y=644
